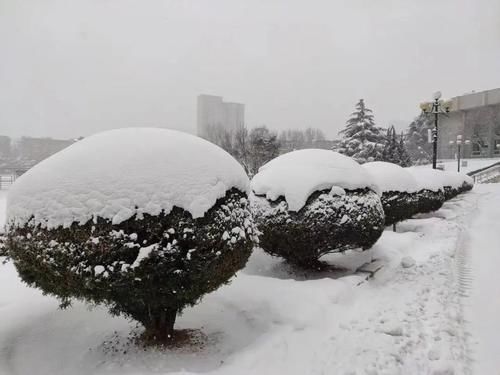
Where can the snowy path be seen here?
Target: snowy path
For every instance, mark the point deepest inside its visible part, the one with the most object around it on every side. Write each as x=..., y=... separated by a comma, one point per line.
x=269, y=321
x=482, y=246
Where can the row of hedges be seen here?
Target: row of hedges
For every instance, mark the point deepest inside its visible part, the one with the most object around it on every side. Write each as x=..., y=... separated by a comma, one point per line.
x=152, y=264
x=355, y=219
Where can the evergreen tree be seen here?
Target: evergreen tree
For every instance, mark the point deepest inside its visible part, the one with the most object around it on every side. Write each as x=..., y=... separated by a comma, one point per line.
x=419, y=149
x=404, y=156
x=390, y=153
x=395, y=149
x=361, y=138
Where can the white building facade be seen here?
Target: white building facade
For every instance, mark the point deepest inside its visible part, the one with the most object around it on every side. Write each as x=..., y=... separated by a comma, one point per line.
x=476, y=117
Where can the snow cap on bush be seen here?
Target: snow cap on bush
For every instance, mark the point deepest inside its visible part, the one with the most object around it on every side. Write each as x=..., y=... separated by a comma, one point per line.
x=457, y=180
x=428, y=179
x=435, y=179
x=391, y=177
x=298, y=174
x=120, y=173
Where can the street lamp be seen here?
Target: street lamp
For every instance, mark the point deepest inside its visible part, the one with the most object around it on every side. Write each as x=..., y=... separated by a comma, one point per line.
x=459, y=143
x=437, y=107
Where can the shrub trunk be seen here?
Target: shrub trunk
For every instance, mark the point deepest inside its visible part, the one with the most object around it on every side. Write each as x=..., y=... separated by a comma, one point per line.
x=160, y=325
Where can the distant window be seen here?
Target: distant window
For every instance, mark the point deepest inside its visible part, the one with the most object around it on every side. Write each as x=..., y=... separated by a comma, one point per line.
x=480, y=146
x=496, y=145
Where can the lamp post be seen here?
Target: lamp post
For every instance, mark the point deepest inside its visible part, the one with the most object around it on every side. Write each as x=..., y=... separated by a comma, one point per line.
x=437, y=107
x=459, y=143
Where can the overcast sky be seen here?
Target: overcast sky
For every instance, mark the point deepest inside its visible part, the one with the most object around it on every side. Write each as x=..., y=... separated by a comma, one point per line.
x=75, y=67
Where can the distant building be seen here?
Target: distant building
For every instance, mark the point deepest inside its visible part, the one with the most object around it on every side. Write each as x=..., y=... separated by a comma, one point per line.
x=476, y=117
x=5, y=146
x=215, y=114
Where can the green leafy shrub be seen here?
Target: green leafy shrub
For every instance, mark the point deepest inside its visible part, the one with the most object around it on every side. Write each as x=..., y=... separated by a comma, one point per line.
x=148, y=269
x=326, y=224
x=399, y=206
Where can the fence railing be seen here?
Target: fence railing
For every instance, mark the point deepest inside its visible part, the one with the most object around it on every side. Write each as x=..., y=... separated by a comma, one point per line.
x=487, y=174
x=6, y=181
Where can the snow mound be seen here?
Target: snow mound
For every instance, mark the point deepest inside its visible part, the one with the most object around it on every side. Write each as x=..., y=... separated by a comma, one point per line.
x=391, y=177
x=456, y=180
x=298, y=174
x=428, y=179
x=435, y=179
x=119, y=173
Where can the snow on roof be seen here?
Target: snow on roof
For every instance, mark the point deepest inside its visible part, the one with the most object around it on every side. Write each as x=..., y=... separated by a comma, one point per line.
x=391, y=177
x=435, y=179
x=119, y=173
x=298, y=174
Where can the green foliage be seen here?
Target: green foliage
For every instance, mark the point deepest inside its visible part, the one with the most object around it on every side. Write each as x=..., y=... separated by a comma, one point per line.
x=429, y=201
x=395, y=149
x=361, y=139
x=450, y=192
x=404, y=156
x=419, y=149
x=98, y=261
x=326, y=224
x=3, y=248
x=399, y=206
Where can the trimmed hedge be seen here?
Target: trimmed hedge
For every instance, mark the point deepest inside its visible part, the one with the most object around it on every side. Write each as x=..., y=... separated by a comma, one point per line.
x=326, y=224
x=429, y=200
x=111, y=264
x=451, y=192
x=399, y=206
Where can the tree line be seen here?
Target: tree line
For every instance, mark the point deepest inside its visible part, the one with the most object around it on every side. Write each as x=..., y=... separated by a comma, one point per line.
x=255, y=147
x=361, y=139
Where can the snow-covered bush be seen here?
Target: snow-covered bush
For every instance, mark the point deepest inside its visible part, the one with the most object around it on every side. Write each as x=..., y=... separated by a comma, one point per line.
x=3, y=248
x=456, y=183
x=145, y=221
x=399, y=190
x=312, y=202
x=430, y=188
x=436, y=186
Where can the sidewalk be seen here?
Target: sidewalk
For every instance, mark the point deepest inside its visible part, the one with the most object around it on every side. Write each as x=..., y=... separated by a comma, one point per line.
x=482, y=307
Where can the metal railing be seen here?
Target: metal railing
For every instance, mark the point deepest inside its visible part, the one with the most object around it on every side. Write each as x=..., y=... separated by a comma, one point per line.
x=487, y=174
x=6, y=181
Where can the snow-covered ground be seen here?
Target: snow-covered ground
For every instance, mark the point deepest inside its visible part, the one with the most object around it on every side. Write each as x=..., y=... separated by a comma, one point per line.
x=482, y=281
x=270, y=320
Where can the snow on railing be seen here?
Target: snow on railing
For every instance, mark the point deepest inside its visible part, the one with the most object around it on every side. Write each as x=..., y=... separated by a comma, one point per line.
x=487, y=174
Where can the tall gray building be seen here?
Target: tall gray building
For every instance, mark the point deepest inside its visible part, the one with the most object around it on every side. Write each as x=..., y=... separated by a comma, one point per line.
x=476, y=117
x=215, y=114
